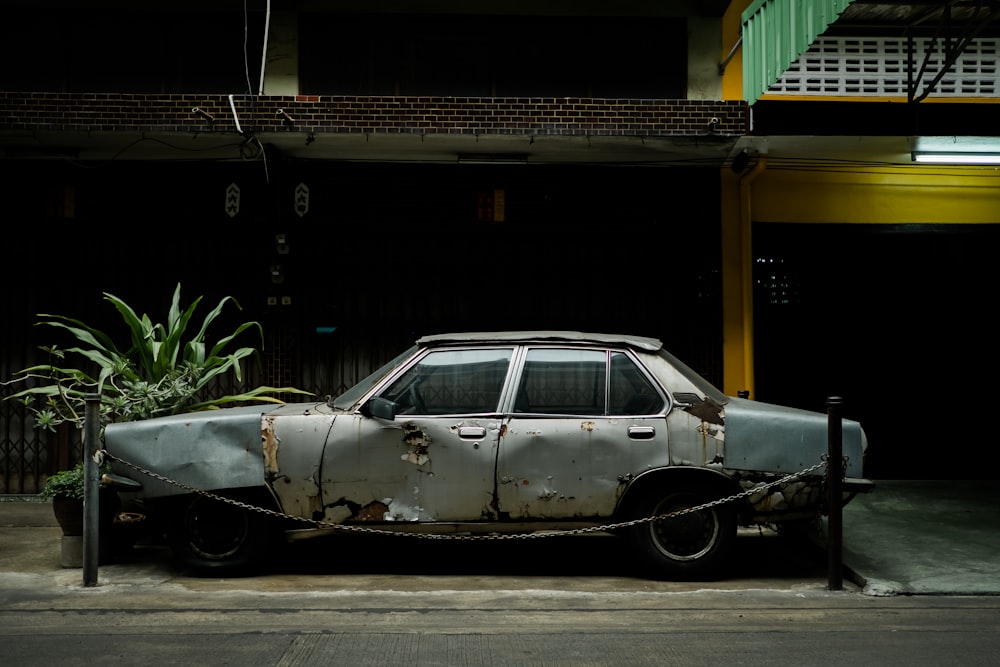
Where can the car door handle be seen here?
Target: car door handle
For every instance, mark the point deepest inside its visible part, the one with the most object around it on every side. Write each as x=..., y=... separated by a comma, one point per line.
x=641, y=432
x=471, y=432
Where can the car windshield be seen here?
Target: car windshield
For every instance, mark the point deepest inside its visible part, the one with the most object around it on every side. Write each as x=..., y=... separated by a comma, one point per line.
x=346, y=400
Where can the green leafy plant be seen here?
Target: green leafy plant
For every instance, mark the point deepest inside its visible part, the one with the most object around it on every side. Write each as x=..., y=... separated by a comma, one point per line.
x=160, y=372
x=65, y=484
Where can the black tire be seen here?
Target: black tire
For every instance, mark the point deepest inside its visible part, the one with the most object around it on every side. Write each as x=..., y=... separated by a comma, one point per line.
x=691, y=546
x=210, y=535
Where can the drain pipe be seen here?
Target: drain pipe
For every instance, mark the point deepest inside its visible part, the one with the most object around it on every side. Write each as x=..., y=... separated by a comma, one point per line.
x=746, y=252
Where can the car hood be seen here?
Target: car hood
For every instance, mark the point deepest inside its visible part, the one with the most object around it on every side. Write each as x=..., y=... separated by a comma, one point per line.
x=774, y=438
x=213, y=449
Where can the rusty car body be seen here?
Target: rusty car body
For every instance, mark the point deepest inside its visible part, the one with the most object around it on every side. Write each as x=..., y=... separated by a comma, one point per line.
x=497, y=432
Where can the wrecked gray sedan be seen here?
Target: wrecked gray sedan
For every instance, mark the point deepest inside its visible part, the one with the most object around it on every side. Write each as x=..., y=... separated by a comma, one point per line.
x=491, y=433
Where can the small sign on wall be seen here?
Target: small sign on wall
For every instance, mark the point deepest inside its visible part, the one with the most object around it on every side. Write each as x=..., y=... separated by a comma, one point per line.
x=490, y=206
x=499, y=206
x=301, y=199
x=232, y=200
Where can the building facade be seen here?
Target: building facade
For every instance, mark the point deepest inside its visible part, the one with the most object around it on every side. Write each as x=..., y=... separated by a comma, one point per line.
x=359, y=174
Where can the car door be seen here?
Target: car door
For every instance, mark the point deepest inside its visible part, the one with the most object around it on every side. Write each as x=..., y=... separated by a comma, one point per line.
x=580, y=422
x=435, y=461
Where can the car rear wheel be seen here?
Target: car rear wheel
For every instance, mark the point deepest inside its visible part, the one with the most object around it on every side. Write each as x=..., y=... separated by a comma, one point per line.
x=692, y=545
x=209, y=534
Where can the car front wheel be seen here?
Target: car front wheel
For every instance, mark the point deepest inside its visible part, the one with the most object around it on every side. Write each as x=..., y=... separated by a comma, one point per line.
x=690, y=545
x=209, y=534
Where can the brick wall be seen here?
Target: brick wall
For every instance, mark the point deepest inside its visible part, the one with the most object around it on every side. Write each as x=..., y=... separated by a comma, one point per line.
x=101, y=112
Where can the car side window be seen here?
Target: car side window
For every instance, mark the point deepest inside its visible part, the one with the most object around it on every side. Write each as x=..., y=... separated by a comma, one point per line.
x=446, y=382
x=576, y=382
x=563, y=382
x=631, y=391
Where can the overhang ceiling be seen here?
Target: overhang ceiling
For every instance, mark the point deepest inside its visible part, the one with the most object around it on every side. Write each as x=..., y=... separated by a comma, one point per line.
x=918, y=17
x=705, y=151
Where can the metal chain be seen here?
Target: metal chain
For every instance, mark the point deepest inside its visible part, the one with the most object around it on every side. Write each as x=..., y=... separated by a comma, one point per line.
x=104, y=454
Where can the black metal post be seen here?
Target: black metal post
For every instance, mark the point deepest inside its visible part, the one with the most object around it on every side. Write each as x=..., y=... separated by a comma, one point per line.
x=91, y=490
x=834, y=490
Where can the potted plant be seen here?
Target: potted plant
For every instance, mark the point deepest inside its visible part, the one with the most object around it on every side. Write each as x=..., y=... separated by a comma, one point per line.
x=66, y=490
x=162, y=369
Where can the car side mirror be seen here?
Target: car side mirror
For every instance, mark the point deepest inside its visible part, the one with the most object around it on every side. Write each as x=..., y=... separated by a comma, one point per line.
x=379, y=407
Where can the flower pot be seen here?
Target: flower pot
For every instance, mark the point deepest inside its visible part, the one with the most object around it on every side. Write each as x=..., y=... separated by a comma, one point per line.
x=69, y=515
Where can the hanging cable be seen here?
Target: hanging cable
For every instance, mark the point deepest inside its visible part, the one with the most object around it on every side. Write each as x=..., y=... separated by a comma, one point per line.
x=246, y=60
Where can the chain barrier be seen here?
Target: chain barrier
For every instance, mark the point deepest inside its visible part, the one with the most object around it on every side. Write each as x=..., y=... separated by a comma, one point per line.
x=105, y=455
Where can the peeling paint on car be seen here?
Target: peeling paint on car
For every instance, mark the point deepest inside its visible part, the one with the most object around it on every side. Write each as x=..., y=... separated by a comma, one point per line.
x=708, y=411
x=418, y=442
x=373, y=511
x=795, y=495
x=269, y=442
x=711, y=431
x=547, y=494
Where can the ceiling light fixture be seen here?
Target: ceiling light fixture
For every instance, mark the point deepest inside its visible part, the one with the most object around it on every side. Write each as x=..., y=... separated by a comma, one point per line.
x=956, y=158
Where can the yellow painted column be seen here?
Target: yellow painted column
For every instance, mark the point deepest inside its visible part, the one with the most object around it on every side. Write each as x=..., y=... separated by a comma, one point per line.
x=733, y=349
x=737, y=278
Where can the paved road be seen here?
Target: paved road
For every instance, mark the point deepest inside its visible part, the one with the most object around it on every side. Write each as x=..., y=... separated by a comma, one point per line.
x=510, y=621
x=395, y=601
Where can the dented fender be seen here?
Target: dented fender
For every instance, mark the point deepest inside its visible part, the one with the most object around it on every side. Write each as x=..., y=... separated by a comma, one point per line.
x=291, y=465
x=217, y=449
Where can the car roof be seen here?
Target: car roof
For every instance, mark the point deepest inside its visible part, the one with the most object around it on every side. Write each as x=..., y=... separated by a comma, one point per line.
x=476, y=337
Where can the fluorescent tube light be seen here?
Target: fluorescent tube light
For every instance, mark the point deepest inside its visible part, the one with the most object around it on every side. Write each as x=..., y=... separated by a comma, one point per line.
x=957, y=158
x=492, y=158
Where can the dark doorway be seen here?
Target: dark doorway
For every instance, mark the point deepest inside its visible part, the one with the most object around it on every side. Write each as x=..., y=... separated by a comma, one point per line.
x=896, y=320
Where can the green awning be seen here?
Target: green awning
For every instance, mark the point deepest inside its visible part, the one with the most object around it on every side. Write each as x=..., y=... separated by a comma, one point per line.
x=776, y=32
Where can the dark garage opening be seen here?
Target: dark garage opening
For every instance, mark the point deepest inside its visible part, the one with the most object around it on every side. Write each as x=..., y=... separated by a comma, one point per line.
x=896, y=319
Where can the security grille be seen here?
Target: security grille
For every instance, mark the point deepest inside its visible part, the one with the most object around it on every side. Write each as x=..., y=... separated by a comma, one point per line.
x=877, y=67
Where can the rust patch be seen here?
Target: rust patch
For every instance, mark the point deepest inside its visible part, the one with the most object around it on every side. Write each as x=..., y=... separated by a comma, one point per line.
x=316, y=508
x=373, y=511
x=587, y=426
x=709, y=430
x=707, y=411
x=503, y=430
x=269, y=443
x=419, y=444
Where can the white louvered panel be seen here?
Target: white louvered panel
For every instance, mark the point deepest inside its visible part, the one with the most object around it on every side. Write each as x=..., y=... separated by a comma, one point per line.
x=877, y=67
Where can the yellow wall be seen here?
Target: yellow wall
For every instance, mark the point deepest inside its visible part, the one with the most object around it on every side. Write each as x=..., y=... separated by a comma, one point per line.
x=894, y=195
x=732, y=78
x=900, y=195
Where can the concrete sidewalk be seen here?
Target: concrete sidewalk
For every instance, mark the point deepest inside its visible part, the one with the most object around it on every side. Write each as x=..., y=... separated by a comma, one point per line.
x=925, y=538
x=903, y=538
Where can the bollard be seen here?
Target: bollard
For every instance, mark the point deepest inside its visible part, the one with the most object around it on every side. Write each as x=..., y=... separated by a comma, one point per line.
x=91, y=490
x=834, y=498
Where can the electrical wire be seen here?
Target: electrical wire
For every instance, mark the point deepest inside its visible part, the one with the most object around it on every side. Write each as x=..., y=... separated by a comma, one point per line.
x=263, y=55
x=246, y=58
